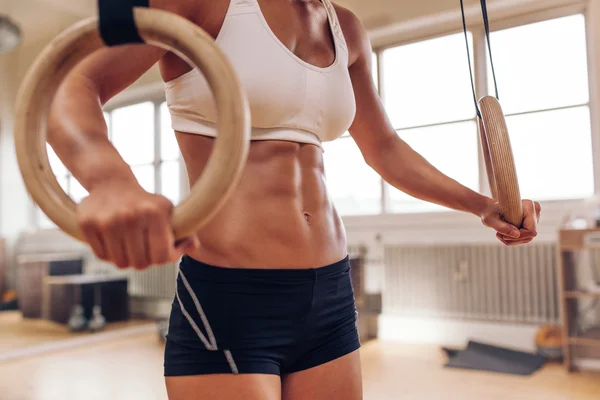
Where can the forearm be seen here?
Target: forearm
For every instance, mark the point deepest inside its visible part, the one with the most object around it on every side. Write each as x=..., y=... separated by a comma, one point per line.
x=78, y=134
x=408, y=171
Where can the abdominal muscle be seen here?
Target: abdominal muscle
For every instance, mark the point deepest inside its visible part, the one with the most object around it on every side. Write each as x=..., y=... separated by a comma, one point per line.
x=278, y=216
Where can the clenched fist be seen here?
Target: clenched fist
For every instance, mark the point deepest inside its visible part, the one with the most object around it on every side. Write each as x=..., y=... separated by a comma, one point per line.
x=129, y=227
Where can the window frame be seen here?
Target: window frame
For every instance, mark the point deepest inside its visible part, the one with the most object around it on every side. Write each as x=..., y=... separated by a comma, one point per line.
x=509, y=20
x=430, y=27
x=157, y=99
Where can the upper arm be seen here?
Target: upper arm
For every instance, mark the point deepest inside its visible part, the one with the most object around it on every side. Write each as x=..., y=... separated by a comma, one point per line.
x=110, y=70
x=371, y=128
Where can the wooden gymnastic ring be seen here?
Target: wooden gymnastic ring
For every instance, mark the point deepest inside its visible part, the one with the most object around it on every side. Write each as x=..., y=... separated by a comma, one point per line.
x=159, y=28
x=499, y=160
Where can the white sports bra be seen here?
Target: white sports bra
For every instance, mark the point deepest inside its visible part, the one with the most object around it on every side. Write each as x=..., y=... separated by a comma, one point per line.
x=289, y=98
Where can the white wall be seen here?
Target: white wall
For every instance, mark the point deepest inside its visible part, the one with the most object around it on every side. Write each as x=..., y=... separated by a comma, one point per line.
x=14, y=201
x=16, y=207
x=377, y=13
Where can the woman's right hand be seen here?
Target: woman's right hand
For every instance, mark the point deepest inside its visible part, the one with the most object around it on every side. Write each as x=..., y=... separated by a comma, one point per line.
x=129, y=227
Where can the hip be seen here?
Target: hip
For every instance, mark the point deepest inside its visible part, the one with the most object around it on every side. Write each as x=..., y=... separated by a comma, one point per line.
x=246, y=307
x=260, y=321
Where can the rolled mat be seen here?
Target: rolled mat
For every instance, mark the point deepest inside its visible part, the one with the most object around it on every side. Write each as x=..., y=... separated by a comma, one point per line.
x=485, y=357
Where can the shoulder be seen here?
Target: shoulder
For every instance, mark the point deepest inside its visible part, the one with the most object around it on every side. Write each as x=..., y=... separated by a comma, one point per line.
x=185, y=8
x=355, y=34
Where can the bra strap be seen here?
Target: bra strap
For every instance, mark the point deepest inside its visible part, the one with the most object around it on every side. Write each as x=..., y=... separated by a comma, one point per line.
x=334, y=23
x=242, y=7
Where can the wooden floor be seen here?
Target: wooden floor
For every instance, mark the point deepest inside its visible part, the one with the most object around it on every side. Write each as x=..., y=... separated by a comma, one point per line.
x=131, y=369
x=17, y=332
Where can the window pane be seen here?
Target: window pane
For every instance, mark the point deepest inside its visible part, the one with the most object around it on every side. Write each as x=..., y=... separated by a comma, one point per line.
x=168, y=142
x=145, y=176
x=170, y=181
x=57, y=166
x=553, y=154
x=453, y=149
x=428, y=82
x=107, y=120
x=354, y=187
x=43, y=222
x=375, y=71
x=542, y=65
x=133, y=133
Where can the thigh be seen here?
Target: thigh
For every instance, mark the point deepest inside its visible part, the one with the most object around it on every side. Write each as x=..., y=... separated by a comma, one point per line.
x=224, y=387
x=340, y=379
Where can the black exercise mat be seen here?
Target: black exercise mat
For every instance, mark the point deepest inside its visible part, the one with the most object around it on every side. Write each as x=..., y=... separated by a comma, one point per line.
x=484, y=357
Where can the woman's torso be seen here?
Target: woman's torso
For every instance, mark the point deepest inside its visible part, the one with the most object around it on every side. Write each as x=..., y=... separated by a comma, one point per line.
x=280, y=215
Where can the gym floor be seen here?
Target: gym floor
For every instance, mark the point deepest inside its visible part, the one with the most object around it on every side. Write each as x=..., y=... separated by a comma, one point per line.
x=20, y=333
x=131, y=368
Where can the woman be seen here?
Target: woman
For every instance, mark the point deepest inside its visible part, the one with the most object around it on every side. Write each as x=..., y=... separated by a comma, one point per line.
x=264, y=305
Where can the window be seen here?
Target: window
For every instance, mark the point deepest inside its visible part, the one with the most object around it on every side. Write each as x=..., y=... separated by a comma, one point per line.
x=133, y=135
x=354, y=187
x=543, y=83
x=428, y=98
x=170, y=168
x=142, y=135
x=451, y=148
x=542, y=72
x=375, y=71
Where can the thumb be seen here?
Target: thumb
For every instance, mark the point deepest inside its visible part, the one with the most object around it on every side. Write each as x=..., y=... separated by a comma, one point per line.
x=530, y=218
x=503, y=227
x=188, y=244
x=193, y=244
x=185, y=245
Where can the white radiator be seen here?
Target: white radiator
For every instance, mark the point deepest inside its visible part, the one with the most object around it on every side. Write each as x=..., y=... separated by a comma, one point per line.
x=483, y=282
x=157, y=282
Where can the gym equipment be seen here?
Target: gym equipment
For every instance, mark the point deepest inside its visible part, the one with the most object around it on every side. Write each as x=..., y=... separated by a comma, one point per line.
x=77, y=321
x=495, y=141
x=485, y=357
x=97, y=322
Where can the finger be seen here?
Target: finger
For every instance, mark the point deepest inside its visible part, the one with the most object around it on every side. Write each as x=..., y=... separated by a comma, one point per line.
x=513, y=242
x=538, y=210
x=135, y=245
x=184, y=246
x=524, y=234
x=530, y=221
x=188, y=244
x=159, y=241
x=115, y=247
x=94, y=239
x=503, y=227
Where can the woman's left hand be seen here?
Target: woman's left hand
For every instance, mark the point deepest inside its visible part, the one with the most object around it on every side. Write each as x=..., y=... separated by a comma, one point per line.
x=509, y=234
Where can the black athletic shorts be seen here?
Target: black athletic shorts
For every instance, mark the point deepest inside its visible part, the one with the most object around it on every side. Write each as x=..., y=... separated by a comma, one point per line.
x=259, y=321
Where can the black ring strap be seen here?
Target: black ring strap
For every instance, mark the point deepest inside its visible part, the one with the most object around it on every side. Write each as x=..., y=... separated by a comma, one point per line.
x=117, y=25
x=487, y=35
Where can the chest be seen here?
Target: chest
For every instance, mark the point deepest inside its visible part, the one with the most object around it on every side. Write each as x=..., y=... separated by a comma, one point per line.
x=303, y=27
x=294, y=72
